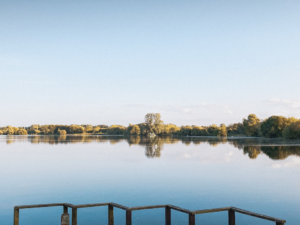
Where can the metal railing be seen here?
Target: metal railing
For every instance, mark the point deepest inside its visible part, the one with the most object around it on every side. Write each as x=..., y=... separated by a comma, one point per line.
x=111, y=206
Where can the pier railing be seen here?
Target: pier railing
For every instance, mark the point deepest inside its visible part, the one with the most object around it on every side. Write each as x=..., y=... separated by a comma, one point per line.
x=129, y=210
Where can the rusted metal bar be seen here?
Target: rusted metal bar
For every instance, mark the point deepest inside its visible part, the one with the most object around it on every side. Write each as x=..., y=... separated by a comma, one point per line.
x=118, y=206
x=110, y=215
x=258, y=215
x=128, y=217
x=279, y=223
x=180, y=209
x=42, y=205
x=231, y=217
x=192, y=219
x=74, y=216
x=16, y=216
x=211, y=210
x=168, y=215
x=91, y=205
x=65, y=209
x=147, y=207
x=69, y=205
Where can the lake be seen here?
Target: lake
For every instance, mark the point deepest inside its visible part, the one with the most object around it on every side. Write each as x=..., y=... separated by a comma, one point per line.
x=255, y=174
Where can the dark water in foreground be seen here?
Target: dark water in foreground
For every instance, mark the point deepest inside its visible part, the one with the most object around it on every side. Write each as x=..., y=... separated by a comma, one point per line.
x=259, y=175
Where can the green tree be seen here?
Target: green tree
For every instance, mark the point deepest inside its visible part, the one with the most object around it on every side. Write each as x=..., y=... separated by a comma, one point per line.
x=62, y=132
x=250, y=125
x=186, y=130
x=292, y=131
x=89, y=128
x=96, y=129
x=171, y=128
x=76, y=129
x=9, y=130
x=273, y=126
x=135, y=130
x=236, y=128
x=36, y=132
x=223, y=131
x=154, y=124
x=213, y=130
x=22, y=132
x=116, y=129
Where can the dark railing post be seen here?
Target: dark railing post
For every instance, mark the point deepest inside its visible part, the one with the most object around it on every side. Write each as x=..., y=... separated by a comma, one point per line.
x=110, y=215
x=168, y=215
x=231, y=217
x=16, y=216
x=74, y=216
x=65, y=209
x=278, y=223
x=128, y=217
x=191, y=219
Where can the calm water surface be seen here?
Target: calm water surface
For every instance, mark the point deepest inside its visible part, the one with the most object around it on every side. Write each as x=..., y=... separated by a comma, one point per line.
x=259, y=175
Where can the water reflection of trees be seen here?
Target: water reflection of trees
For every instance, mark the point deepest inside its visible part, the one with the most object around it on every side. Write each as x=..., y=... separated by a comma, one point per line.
x=273, y=152
x=275, y=149
x=153, y=146
x=280, y=152
x=252, y=151
x=253, y=147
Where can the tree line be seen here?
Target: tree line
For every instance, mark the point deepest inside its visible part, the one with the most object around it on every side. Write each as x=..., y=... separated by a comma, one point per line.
x=272, y=127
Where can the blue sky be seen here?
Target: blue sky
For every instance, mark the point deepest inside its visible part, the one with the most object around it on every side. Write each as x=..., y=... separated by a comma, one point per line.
x=111, y=62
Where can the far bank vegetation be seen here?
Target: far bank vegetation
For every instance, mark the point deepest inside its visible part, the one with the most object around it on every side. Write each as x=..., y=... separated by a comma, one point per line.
x=252, y=126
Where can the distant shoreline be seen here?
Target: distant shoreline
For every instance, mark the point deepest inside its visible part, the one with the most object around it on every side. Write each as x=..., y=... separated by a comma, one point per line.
x=272, y=127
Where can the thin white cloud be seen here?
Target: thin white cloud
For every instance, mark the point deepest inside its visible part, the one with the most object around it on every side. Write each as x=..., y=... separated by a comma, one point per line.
x=201, y=114
x=228, y=111
x=290, y=103
x=186, y=109
x=290, y=162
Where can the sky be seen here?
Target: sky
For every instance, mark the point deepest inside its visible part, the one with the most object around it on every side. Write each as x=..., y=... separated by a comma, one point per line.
x=111, y=62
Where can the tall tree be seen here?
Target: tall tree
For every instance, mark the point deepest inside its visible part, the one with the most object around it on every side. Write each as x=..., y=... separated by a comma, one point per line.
x=223, y=131
x=154, y=124
x=273, y=126
x=292, y=131
x=250, y=125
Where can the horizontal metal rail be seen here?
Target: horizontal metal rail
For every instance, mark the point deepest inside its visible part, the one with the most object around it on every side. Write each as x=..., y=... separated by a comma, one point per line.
x=111, y=206
x=257, y=215
x=44, y=205
x=211, y=210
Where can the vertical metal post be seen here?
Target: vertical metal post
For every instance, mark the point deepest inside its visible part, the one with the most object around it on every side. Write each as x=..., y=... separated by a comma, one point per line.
x=279, y=223
x=192, y=219
x=110, y=215
x=168, y=215
x=128, y=217
x=16, y=216
x=231, y=217
x=74, y=216
x=65, y=209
